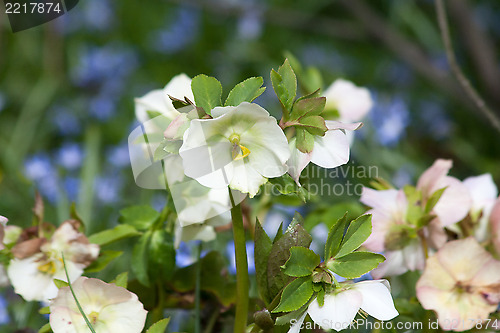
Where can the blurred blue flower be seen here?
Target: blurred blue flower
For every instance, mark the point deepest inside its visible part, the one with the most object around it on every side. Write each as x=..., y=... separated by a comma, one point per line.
x=179, y=34
x=4, y=314
x=70, y=156
x=319, y=235
x=108, y=187
x=403, y=176
x=49, y=187
x=102, y=107
x=72, y=187
x=390, y=119
x=232, y=260
x=178, y=319
x=38, y=167
x=250, y=24
x=92, y=15
x=118, y=156
x=101, y=64
x=435, y=120
x=184, y=255
x=65, y=121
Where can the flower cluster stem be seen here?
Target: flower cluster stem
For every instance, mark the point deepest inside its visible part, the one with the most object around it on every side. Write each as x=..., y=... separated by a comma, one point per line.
x=242, y=280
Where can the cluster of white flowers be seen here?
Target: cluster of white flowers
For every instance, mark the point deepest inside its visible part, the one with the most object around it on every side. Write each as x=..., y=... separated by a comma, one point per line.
x=237, y=146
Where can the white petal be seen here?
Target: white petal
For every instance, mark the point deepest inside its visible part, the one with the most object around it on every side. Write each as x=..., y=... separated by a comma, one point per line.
x=393, y=265
x=331, y=150
x=455, y=202
x=338, y=310
x=297, y=162
x=152, y=101
x=483, y=191
x=246, y=179
x=377, y=299
x=352, y=102
x=179, y=87
x=335, y=125
x=295, y=328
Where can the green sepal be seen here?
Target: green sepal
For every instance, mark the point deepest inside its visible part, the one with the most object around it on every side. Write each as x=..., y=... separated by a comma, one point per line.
x=121, y=280
x=433, y=200
x=207, y=92
x=295, y=295
x=305, y=140
x=60, y=283
x=355, y=264
x=245, y=91
x=302, y=262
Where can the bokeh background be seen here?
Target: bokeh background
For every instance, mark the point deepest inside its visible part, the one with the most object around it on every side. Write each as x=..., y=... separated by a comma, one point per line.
x=67, y=90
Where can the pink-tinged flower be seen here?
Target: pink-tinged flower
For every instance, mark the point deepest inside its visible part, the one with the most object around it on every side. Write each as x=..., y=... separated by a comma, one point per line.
x=109, y=308
x=3, y=224
x=392, y=233
x=495, y=225
x=330, y=150
x=455, y=202
x=461, y=282
x=340, y=307
x=484, y=193
x=38, y=261
x=352, y=102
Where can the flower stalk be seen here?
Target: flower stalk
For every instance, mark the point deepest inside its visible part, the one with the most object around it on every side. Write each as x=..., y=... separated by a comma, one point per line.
x=242, y=280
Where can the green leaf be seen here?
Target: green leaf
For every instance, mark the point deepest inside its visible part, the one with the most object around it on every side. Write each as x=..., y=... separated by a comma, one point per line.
x=121, y=280
x=285, y=84
x=294, y=62
x=207, y=92
x=161, y=255
x=312, y=79
x=60, y=283
x=245, y=91
x=295, y=295
x=305, y=140
x=302, y=262
x=335, y=236
x=321, y=297
x=287, y=186
x=140, y=259
x=262, y=248
x=355, y=264
x=159, y=326
x=153, y=114
x=433, y=200
x=45, y=328
x=295, y=235
x=112, y=235
x=44, y=310
x=359, y=230
x=140, y=217
x=314, y=124
x=105, y=257
x=307, y=107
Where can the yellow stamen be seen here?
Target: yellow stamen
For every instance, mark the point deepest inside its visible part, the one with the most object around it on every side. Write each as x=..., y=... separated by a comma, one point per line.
x=240, y=152
x=48, y=268
x=93, y=317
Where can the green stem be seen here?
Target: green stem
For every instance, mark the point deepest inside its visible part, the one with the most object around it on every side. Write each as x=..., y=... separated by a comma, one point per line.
x=89, y=171
x=242, y=280
x=197, y=307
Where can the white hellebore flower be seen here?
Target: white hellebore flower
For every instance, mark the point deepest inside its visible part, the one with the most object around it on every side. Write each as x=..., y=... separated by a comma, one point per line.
x=109, y=308
x=241, y=147
x=33, y=276
x=340, y=308
x=159, y=101
x=330, y=150
x=352, y=102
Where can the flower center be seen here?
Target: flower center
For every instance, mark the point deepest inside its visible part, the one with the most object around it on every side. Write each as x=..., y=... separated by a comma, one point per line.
x=48, y=268
x=93, y=317
x=238, y=151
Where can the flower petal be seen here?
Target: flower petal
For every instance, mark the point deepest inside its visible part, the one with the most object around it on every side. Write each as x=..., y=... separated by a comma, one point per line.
x=377, y=299
x=352, y=102
x=297, y=161
x=331, y=150
x=338, y=310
